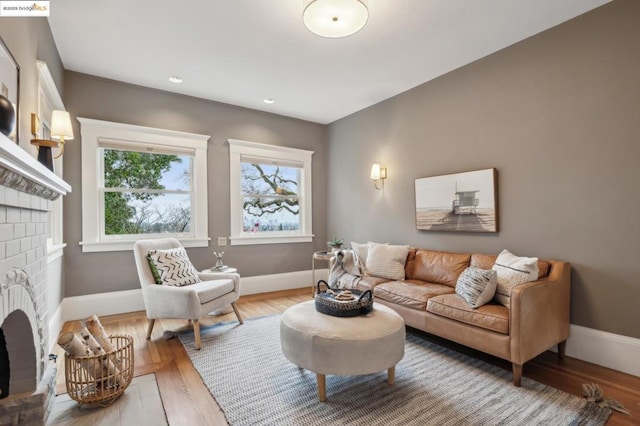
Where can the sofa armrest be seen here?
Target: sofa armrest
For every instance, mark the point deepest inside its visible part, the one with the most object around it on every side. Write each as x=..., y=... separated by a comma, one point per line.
x=540, y=313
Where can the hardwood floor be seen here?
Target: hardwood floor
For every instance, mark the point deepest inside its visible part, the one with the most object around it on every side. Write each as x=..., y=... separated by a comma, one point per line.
x=188, y=402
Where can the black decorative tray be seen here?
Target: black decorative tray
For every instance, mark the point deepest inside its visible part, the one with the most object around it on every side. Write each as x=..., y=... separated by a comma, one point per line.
x=342, y=302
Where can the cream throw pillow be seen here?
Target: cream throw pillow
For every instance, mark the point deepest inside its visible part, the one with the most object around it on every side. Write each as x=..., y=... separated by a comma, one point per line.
x=477, y=286
x=361, y=251
x=386, y=261
x=512, y=271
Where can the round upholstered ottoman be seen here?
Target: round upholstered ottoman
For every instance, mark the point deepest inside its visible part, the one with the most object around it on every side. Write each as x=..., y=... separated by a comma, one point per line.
x=350, y=346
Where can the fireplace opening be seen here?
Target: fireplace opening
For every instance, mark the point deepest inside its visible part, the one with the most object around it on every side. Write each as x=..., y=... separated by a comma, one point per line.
x=19, y=358
x=4, y=367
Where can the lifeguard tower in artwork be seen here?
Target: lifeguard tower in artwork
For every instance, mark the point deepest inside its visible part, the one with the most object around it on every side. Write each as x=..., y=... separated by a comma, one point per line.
x=465, y=202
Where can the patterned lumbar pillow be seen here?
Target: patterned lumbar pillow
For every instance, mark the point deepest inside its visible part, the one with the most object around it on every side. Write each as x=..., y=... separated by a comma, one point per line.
x=386, y=261
x=512, y=271
x=477, y=286
x=173, y=267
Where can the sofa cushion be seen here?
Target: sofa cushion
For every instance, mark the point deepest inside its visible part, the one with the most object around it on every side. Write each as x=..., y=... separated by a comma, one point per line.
x=477, y=286
x=492, y=316
x=486, y=261
x=513, y=271
x=387, y=261
x=209, y=290
x=369, y=282
x=438, y=267
x=412, y=294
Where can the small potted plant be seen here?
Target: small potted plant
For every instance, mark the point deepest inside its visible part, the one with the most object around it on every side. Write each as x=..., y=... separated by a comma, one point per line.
x=335, y=244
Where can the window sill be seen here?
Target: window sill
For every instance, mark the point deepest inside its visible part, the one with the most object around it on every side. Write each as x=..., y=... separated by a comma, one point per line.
x=127, y=245
x=269, y=239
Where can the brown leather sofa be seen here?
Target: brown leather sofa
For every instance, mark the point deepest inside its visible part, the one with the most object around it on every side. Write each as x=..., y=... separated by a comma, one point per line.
x=536, y=320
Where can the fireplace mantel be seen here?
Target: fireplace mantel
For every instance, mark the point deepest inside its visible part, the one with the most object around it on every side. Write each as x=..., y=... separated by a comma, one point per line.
x=20, y=171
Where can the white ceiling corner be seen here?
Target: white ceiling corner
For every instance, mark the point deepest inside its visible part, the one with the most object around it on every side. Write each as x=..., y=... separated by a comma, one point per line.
x=243, y=51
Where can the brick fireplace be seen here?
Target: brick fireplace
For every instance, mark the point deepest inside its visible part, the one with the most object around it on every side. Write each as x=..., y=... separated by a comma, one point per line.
x=27, y=192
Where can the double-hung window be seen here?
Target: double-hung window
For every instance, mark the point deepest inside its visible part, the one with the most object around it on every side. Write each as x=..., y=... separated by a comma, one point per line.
x=145, y=192
x=139, y=183
x=270, y=194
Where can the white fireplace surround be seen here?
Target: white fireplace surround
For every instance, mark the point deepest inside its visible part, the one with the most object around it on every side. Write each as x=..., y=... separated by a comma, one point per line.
x=27, y=194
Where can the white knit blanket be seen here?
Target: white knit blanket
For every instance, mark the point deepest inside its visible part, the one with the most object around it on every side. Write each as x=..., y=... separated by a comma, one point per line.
x=344, y=271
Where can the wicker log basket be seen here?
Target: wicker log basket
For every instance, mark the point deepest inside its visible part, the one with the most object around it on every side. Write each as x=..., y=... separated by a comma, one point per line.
x=100, y=379
x=341, y=302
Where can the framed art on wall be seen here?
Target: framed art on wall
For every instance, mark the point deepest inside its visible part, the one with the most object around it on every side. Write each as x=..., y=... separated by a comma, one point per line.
x=10, y=84
x=463, y=202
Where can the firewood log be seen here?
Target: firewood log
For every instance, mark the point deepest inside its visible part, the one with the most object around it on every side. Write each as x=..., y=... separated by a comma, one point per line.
x=93, y=324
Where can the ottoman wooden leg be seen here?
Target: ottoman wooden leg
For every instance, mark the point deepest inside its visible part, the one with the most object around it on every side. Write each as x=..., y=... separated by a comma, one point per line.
x=391, y=375
x=322, y=387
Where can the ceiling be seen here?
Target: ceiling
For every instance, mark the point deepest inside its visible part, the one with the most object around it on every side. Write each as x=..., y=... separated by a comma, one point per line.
x=244, y=51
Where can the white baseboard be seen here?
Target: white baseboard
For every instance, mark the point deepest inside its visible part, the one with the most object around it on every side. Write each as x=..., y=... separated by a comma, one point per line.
x=606, y=349
x=276, y=282
x=121, y=302
x=101, y=304
x=599, y=347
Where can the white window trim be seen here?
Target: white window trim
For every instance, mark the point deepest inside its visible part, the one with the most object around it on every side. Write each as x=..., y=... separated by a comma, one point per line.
x=95, y=131
x=238, y=148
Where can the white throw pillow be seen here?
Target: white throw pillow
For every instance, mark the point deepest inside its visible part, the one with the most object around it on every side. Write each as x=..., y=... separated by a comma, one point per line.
x=174, y=267
x=477, y=286
x=386, y=261
x=512, y=271
x=361, y=255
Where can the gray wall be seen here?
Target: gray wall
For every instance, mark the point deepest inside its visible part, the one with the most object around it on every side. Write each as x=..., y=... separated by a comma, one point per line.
x=559, y=116
x=29, y=40
x=92, y=97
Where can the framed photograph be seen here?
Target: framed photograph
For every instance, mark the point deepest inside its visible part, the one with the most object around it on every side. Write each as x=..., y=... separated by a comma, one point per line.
x=462, y=202
x=10, y=84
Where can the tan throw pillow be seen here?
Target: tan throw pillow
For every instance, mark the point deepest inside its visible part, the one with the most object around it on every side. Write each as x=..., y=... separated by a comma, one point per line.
x=477, y=286
x=386, y=261
x=174, y=267
x=512, y=271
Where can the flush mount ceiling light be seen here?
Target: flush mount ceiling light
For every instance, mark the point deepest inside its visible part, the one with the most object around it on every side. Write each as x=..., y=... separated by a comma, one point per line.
x=335, y=18
x=175, y=79
x=269, y=101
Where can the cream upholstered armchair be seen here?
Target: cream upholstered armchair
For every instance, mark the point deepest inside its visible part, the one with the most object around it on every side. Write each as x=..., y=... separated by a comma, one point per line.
x=189, y=302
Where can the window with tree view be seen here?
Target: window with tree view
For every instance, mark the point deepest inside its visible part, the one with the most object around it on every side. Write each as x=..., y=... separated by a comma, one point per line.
x=271, y=201
x=146, y=193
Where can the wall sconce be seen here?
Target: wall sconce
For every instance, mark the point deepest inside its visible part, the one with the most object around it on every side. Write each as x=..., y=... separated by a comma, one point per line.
x=378, y=174
x=60, y=129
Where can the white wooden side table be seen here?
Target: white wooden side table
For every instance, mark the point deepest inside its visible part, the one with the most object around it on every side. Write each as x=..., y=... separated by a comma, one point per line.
x=227, y=270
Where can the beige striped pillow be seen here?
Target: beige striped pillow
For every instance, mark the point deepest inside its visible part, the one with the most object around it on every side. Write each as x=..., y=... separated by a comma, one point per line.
x=512, y=271
x=387, y=261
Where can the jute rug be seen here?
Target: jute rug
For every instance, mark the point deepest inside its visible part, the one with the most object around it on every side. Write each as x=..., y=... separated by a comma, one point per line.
x=254, y=384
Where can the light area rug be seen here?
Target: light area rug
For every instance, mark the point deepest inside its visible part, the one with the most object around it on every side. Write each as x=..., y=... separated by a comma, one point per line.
x=254, y=384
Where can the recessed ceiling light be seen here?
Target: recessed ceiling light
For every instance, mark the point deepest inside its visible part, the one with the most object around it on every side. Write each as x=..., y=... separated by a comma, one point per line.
x=335, y=18
x=175, y=79
x=269, y=101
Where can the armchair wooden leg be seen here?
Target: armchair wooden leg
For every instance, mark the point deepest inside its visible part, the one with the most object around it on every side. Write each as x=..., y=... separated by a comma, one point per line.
x=196, y=332
x=517, y=374
x=562, y=347
x=150, y=328
x=237, y=312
